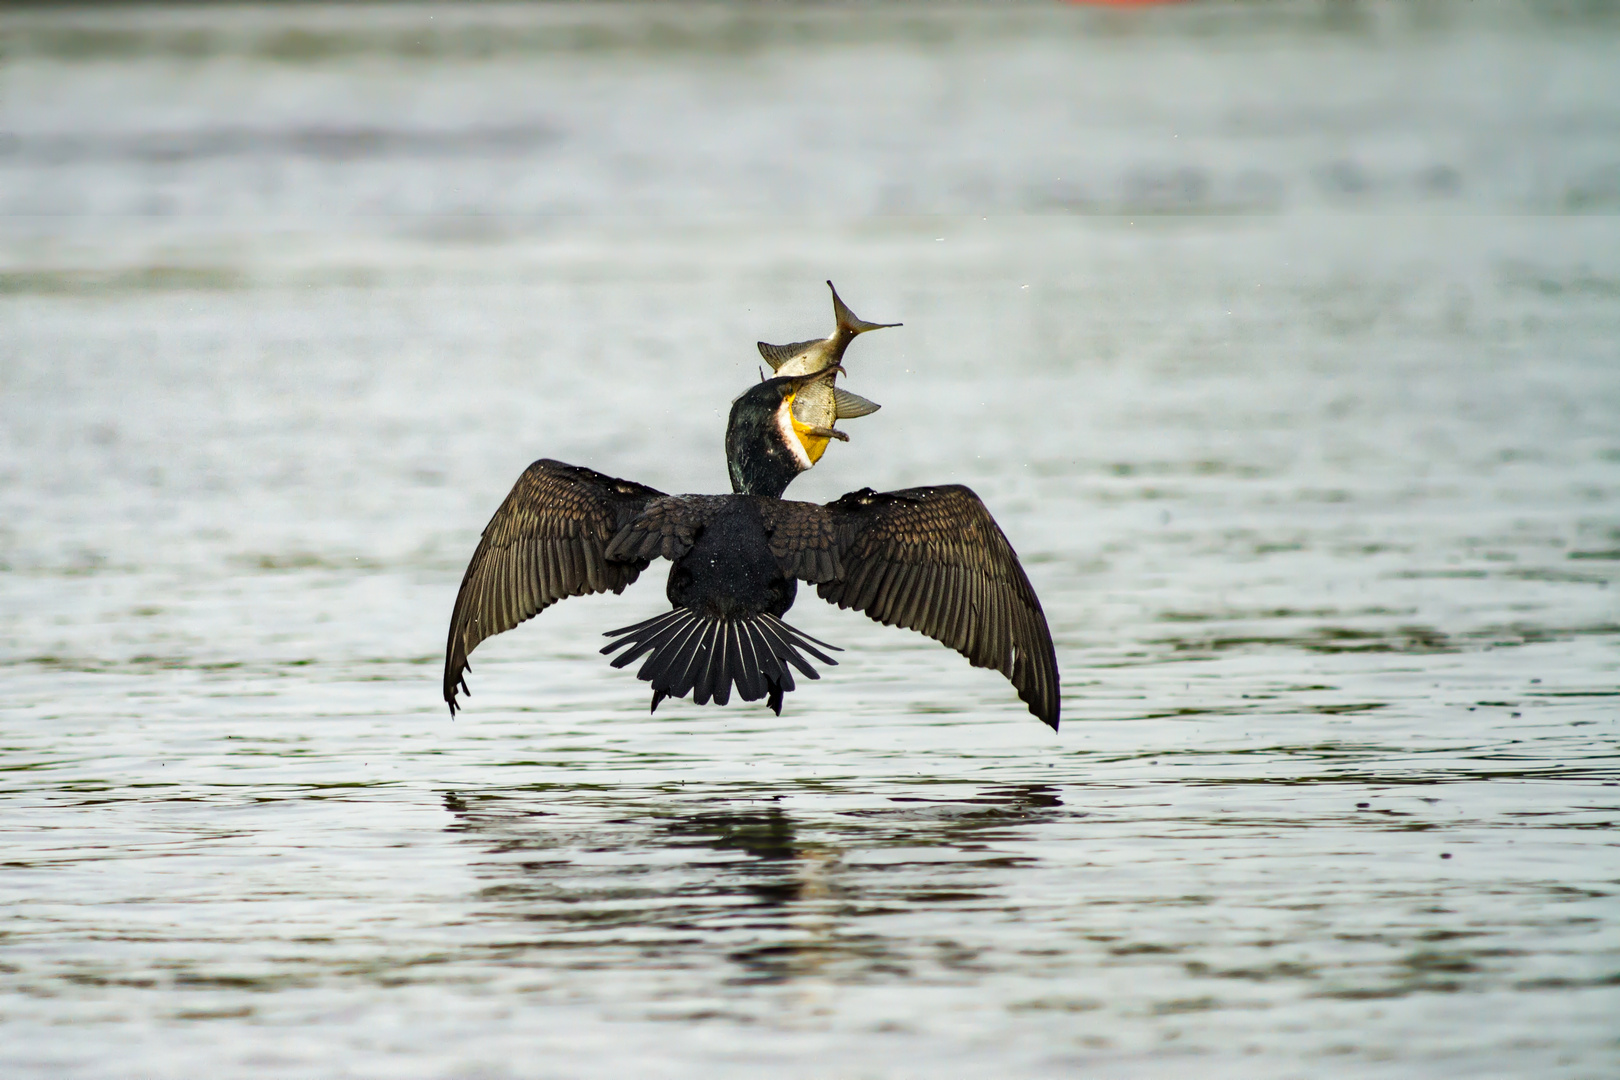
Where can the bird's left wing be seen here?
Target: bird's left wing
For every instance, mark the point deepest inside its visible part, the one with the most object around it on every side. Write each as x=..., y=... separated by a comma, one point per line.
x=548, y=541
x=929, y=559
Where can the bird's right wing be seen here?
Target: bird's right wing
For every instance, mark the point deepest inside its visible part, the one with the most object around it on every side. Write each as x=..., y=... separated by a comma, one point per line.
x=929, y=559
x=548, y=541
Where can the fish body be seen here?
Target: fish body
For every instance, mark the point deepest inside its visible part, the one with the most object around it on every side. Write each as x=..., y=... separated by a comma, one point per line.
x=818, y=405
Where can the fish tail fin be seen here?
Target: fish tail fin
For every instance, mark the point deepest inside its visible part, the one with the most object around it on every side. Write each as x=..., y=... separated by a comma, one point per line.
x=849, y=323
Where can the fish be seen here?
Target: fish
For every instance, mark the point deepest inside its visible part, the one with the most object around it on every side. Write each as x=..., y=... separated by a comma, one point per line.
x=819, y=405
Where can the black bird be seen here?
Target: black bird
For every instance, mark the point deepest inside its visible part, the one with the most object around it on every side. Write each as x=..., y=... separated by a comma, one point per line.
x=930, y=559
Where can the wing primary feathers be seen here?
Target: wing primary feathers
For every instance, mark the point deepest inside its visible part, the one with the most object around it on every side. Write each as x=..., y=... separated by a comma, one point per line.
x=975, y=626
x=556, y=562
x=923, y=616
x=571, y=567
x=585, y=575
x=912, y=597
x=500, y=585
x=593, y=567
x=955, y=617
x=880, y=593
x=547, y=540
x=930, y=559
x=533, y=597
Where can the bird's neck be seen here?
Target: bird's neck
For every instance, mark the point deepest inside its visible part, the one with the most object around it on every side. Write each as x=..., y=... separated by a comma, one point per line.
x=759, y=458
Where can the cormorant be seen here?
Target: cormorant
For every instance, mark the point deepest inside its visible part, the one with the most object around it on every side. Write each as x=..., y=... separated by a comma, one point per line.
x=930, y=559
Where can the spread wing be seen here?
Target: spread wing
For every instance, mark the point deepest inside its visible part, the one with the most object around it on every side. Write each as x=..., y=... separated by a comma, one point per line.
x=548, y=541
x=930, y=559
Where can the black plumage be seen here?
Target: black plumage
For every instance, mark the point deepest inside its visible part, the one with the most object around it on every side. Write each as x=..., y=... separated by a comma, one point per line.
x=930, y=559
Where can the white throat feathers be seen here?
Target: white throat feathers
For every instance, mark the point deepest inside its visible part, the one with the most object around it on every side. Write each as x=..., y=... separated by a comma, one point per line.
x=790, y=436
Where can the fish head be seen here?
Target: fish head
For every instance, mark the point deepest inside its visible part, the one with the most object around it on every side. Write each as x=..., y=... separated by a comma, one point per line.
x=812, y=436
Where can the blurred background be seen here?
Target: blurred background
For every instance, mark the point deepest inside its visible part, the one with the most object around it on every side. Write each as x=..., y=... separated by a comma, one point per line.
x=1280, y=336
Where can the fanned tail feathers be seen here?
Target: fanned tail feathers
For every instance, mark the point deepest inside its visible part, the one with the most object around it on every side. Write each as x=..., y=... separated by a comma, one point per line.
x=688, y=653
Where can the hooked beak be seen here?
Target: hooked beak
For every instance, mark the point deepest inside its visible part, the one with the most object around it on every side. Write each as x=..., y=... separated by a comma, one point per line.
x=801, y=381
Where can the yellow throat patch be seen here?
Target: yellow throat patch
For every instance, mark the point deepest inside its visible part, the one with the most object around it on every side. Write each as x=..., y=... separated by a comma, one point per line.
x=814, y=445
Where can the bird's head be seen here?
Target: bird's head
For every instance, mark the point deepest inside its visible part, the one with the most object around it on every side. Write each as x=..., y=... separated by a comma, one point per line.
x=766, y=445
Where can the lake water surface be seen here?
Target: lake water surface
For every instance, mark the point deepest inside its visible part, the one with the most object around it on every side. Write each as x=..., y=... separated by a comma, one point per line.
x=1281, y=342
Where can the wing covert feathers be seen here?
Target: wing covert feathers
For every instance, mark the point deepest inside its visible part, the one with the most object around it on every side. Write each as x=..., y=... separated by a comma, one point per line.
x=549, y=540
x=665, y=528
x=929, y=559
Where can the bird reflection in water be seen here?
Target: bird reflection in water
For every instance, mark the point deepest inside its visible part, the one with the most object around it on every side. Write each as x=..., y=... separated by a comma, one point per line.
x=780, y=895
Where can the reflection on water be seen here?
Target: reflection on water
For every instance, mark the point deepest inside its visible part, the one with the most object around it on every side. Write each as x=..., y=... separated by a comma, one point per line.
x=1305, y=429
x=736, y=891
